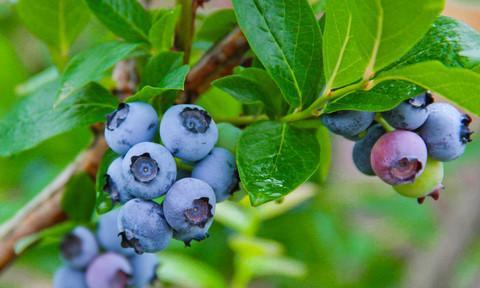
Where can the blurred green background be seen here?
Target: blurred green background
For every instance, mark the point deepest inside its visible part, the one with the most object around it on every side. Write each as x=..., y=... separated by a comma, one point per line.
x=353, y=232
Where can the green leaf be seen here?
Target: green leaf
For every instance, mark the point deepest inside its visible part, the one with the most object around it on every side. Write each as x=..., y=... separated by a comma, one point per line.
x=104, y=203
x=56, y=232
x=164, y=72
x=78, y=201
x=228, y=136
x=91, y=65
x=34, y=119
x=289, y=49
x=319, y=6
x=276, y=265
x=253, y=85
x=36, y=81
x=323, y=137
x=162, y=33
x=210, y=100
x=343, y=64
x=184, y=271
x=274, y=158
x=459, y=85
x=56, y=22
x=217, y=25
x=125, y=18
x=385, y=96
x=449, y=41
x=234, y=216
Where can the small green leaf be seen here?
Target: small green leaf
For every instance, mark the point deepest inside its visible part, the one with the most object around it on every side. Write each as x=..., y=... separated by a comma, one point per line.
x=56, y=22
x=385, y=96
x=125, y=18
x=459, y=85
x=104, y=203
x=90, y=65
x=216, y=26
x=164, y=72
x=253, y=85
x=78, y=201
x=184, y=271
x=289, y=49
x=209, y=100
x=449, y=41
x=34, y=119
x=162, y=33
x=275, y=158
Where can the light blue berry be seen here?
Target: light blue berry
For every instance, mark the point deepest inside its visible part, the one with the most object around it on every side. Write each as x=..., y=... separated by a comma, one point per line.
x=107, y=234
x=347, y=123
x=67, y=277
x=115, y=184
x=109, y=270
x=144, y=269
x=410, y=114
x=79, y=247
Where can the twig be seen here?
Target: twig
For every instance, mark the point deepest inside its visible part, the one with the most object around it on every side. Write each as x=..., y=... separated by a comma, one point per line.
x=219, y=61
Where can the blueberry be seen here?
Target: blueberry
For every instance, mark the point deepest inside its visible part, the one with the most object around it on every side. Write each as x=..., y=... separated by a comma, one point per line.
x=130, y=124
x=428, y=184
x=143, y=226
x=228, y=136
x=144, y=269
x=109, y=270
x=347, y=123
x=363, y=148
x=115, y=184
x=446, y=132
x=399, y=157
x=218, y=170
x=411, y=114
x=107, y=234
x=79, y=247
x=188, y=132
x=189, y=208
x=149, y=170
x=67, y=277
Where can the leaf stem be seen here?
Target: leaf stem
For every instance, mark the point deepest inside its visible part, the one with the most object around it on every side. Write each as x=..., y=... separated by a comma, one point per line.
x=242, y=120
x=385, y=125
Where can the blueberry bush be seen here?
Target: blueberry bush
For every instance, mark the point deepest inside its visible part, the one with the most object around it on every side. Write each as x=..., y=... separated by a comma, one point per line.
x=181, y=119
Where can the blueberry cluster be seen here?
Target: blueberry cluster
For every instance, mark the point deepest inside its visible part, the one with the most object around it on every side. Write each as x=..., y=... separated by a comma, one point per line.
x=146, y=171
x=421, y=135
x=99, y=261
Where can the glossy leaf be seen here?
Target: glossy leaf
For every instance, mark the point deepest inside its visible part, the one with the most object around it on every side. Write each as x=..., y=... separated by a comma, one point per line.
x=90, y=65
x=56, y=22
x=274, y=158
x=253, y=85
x=383, y=97
x=78, y=201
x=34, y=119
x=287, y=44
x=459, y=85
x=164, y=72
x=162, y=33
x=449, y=41
x=125, y=18
x=216, y=26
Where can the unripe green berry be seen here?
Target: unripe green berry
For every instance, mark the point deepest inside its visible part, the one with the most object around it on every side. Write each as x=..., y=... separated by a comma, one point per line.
x=228, y=136
x=429, y=182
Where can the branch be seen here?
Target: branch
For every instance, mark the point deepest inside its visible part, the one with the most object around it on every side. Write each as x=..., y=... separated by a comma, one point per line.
x=45, y=210
x=217, y=62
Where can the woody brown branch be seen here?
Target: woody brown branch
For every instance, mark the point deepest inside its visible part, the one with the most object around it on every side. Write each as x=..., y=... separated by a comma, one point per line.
x=45, y=210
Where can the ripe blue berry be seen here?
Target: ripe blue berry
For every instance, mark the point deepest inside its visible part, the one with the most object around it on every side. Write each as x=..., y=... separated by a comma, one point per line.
x=67, y=277
x=410, y=114
x=189, y=208
x=363, y=148
x=228, y=136
x=149, y=170
x=115, y=184
x=107, y=234
x=79, y=247
x=143, y=226
x=446, y=132
x=188, y=132
x=130, y=124
x=144, y=269
x=218, y=170
x=109, y=270
x=399, y=157
x=428, y=184
x=347, y=123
